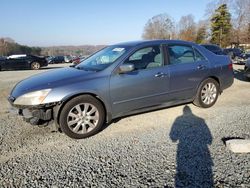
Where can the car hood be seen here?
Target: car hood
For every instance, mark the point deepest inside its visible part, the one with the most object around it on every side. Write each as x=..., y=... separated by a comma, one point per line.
x=50, y=79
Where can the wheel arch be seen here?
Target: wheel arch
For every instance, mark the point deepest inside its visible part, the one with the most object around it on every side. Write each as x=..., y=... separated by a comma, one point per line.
x=218, y=81
x=58, y=109
x=213, y=77
x=198, y=86
x=34, y=61
x=196, y=99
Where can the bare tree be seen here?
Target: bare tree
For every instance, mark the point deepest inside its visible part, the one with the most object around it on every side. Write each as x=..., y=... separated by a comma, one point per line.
x=159, y=27
x=187, y=28
x=202, y=32
x=241, y=20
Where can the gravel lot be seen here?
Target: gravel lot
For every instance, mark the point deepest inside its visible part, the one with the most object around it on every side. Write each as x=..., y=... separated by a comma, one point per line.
x=174, y=147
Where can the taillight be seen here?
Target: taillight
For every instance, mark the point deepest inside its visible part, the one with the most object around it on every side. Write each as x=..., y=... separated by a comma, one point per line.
x=230, y=66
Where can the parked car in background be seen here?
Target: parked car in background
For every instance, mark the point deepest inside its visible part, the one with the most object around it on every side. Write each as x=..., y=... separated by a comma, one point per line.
x=57, y=59
x=247, y=55
x=120, y=80
x=247, y=69
x=23, y=61
x=78, y=60
x=48, y=58
x=214, y=48
x=237, y=55
x=2, y=57
x=233, y=52
x=68, y=59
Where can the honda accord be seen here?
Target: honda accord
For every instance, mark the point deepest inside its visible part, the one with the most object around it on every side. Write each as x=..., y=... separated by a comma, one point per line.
x=121, y=80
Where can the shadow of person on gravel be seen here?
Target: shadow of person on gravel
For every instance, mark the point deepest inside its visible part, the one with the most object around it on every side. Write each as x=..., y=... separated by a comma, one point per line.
x=194, y=163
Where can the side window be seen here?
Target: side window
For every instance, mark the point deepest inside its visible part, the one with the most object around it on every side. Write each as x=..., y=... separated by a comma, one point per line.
x=146, y=58
x=181, y=54
x=198, y=56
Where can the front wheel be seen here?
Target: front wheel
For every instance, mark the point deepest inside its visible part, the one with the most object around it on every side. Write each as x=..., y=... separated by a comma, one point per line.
x=82, y=117
x=207, y=94
x=35, y=66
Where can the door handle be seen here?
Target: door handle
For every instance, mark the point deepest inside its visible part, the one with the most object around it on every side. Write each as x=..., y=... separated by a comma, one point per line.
x=201, y=67
x=160, y=75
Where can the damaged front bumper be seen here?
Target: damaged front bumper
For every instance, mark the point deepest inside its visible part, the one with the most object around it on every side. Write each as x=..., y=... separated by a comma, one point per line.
x=36, y=115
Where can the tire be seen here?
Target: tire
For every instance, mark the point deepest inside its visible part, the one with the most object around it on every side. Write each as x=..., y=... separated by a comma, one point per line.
x=35, y=66
x=207, y=93
x=76, y=123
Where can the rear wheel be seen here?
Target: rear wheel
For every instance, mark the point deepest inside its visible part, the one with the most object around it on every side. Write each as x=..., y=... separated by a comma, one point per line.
x=207, y=94
x=35, y=66
x=82, y=117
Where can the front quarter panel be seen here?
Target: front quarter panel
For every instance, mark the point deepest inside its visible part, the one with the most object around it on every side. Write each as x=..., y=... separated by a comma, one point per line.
x=98, y=87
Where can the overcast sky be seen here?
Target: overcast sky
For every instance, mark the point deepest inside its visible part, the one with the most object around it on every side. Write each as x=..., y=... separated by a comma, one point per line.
x=78, y=22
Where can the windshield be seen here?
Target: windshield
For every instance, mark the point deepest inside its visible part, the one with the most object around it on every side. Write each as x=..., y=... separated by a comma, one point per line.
x=102, y=59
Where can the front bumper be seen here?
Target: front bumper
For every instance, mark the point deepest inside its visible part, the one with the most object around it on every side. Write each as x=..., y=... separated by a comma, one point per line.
x=34, y=116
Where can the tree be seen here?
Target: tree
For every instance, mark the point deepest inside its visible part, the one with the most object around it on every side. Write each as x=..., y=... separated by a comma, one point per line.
x=159, y=27
x=187, y=28
x=9, y=47
x=201, y=34
x=221, y=26
x=213, y=4
x=245, y=34
x=241, y=13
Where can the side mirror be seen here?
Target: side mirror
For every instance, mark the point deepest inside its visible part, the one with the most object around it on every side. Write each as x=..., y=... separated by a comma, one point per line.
x=126, y=68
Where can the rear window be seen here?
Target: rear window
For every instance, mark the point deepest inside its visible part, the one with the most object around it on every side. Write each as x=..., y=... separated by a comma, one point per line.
x=198, y=56
x=211, y=47
x=179, y=54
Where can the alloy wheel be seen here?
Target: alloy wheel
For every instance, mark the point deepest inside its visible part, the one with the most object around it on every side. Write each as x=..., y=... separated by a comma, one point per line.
x=35, y=66
x=209, y=93
x=83, y=118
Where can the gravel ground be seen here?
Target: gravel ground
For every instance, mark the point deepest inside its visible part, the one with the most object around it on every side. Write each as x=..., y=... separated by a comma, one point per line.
x=175, y=147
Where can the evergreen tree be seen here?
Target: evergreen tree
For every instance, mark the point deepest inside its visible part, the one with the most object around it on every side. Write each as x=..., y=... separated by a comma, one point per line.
x=221, y=26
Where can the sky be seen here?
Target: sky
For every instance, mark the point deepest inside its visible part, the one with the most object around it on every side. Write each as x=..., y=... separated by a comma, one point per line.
x=80, y=22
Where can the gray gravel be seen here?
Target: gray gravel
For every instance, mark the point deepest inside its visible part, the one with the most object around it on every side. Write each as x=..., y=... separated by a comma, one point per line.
x=164, y=148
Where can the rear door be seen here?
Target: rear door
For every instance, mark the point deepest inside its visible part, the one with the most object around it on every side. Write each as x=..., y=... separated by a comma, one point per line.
x=146, y=86
x=187, y=68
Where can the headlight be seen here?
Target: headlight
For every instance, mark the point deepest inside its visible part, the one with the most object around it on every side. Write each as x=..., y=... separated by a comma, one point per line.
x=32, y=98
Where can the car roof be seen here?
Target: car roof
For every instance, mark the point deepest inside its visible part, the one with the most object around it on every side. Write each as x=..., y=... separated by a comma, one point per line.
x=16, y=56
x=149, y=42
x=209, y=45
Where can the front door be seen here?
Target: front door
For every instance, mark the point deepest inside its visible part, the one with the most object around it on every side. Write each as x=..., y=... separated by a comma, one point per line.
x=15, y=63
x=146, y=86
